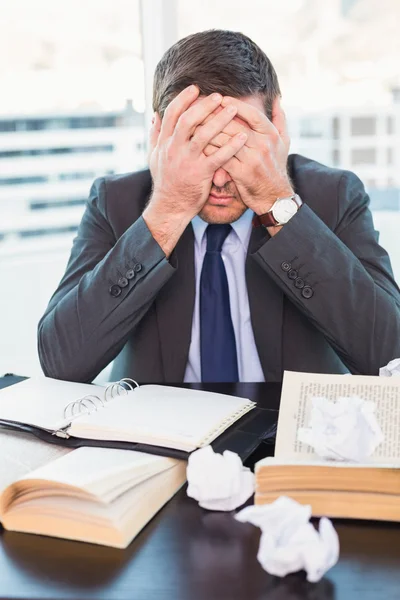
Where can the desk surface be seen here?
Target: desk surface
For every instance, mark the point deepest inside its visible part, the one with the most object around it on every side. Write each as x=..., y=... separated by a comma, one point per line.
x=187, y=553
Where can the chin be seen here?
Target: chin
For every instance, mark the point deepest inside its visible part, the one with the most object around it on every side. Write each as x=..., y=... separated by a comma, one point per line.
x=219, y=215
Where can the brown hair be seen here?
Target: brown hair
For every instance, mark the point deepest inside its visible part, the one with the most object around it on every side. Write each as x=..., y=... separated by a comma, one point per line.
x=227, y=62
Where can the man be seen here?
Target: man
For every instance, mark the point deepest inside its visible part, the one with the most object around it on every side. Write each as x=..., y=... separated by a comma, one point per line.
x=231, y=261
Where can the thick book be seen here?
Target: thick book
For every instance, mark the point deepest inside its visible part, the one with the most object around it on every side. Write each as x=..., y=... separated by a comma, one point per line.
x=98, y=495
x=336, y=489
x=158, y=419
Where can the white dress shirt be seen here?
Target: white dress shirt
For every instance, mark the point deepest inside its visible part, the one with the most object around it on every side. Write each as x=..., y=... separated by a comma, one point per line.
x=234, y=252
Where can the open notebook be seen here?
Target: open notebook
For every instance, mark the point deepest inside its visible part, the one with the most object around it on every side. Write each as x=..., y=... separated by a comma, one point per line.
x=151, y=415
x=99, y=495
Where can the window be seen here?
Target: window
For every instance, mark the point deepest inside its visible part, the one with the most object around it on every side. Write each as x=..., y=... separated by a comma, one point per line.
x=387, y=200
x=50, y=151
x=363, y=156
x=51, y=231
x=76, y=175
x=23, y=180
x=396, y=95
x=336, y=157
x=363, y=126
x=311, y=128
x=390, y=125
x=61, y=203
x=336, y=128
x=71, y=110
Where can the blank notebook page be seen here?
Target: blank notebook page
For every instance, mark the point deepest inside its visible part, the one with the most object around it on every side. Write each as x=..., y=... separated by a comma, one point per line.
x=41, y=401
x=163, y=416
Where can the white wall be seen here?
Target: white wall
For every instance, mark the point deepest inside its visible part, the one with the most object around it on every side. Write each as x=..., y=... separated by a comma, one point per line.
x=28, y=277
x=30, y=273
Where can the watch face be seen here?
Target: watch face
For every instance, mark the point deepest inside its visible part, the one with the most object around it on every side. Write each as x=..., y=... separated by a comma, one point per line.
x=284, y=209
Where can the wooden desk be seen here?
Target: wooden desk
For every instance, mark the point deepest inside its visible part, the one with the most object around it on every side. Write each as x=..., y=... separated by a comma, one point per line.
x=187, y=553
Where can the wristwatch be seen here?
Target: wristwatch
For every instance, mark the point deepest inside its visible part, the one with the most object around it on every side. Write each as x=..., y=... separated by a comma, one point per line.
x=282, y=210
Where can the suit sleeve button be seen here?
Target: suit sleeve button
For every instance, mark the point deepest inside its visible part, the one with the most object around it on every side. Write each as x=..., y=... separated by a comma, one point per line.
x=115, y=291
x=123, y=282
x=138, y=268
x=299, y=283
x=130, y=274
x=286, y=266
x=307, y=292
x=292, y=274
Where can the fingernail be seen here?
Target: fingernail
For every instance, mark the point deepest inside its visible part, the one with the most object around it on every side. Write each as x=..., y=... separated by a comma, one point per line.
x=231, y=109
x=192, y=89
x=242, y=137
x=216, y=97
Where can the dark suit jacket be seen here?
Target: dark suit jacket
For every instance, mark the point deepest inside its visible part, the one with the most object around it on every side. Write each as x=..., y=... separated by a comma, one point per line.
x=121, y=298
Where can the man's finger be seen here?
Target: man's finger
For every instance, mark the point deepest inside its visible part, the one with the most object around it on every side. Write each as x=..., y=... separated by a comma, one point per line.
x=224, y=154
x=194, y=116
x=257, y=120
x=221, y=139
x=209, y=150
x=175, y=109
x=279, y=121
x=232, y=129
x=233, y=167
x=212, y=115
x=204, y=133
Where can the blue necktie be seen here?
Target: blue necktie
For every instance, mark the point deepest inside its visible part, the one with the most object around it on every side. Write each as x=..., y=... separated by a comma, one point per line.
x=217, y=336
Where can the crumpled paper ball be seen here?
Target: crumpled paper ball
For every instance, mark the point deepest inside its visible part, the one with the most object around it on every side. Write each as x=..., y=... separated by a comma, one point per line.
x=343, y=430
x=218, y=481
x=392, y=369
x=289, y=542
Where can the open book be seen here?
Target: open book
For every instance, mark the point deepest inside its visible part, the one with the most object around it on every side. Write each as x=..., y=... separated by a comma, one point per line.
x=337, y=489
x=151, y=415
x=99, y=495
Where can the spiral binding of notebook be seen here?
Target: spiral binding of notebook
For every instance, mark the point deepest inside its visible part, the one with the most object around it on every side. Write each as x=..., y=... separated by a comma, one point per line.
x=102, y=425
x=92, y=402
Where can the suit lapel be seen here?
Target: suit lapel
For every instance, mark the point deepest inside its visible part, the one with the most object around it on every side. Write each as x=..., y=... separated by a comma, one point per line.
x=174, y=308
x=266, y=310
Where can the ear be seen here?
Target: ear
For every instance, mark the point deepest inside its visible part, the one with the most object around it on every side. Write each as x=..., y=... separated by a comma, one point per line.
x=279, y=122
x=154, y=131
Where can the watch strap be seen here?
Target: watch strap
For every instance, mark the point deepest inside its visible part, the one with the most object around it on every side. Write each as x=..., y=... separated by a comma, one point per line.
x=268, y=219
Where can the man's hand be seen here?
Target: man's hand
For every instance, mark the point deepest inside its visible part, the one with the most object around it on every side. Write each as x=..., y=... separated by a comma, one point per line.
x=182, y=173
x=259, y=168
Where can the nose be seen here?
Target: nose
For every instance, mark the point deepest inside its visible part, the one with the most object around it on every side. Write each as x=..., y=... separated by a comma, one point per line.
x=221, y=177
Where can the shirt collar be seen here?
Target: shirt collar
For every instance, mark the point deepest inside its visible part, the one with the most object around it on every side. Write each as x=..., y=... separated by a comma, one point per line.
x=242, y=228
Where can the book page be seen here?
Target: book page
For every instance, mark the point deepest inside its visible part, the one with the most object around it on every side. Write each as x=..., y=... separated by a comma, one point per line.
x=164, y=416
x=41, y=401
x=21, y=453
x=102, y=472
x=296, y=402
